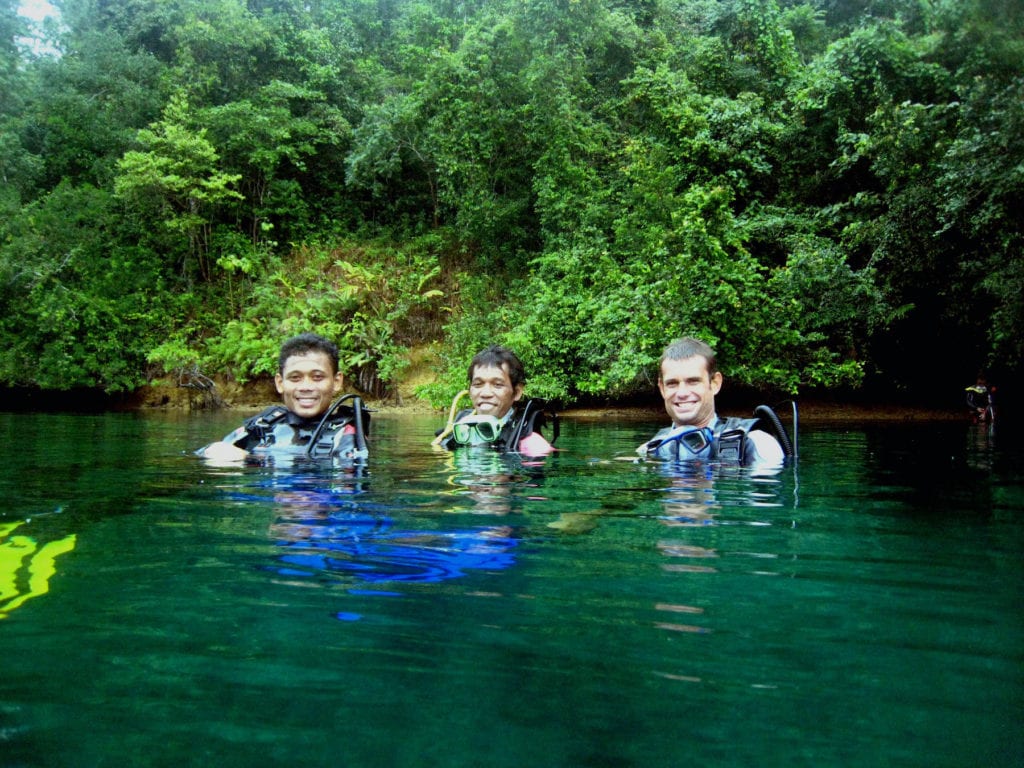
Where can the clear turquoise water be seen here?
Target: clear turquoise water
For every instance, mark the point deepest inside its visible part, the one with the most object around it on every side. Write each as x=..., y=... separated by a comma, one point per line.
x=862, y=610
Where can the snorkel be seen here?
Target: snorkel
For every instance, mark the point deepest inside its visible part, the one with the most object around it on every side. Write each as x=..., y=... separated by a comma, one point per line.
x=472, y=428
x=450, y=426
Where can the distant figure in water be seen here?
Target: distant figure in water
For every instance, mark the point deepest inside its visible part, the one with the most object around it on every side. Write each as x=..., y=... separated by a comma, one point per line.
x=981, y=401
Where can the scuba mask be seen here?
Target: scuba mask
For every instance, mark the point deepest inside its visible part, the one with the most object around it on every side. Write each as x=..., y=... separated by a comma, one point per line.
x=475, y=430
x=684, y=445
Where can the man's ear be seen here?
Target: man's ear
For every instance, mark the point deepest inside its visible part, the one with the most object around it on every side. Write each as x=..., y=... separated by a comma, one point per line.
x=339, y=382
x=519, y=393
x=279, y=383
x=716, y=382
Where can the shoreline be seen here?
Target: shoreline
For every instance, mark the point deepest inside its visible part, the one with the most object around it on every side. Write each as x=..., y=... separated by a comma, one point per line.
x=255, y=396
x=809, y=411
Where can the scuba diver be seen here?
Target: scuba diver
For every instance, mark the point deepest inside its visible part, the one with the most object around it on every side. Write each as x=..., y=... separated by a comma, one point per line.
x=688, y=381
x=499, y=418
x=306, y=423
x=981, y=401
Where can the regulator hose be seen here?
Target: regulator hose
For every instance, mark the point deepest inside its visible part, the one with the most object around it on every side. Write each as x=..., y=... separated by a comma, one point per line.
x=357, y=408
x=765, y=412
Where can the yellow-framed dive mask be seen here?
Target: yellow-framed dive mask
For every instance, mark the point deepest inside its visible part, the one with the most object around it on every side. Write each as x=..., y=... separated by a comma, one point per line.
x=474, y=430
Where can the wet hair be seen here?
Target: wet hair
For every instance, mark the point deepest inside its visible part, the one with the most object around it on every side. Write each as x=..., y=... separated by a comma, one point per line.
x=687, y=347
x=303, y=344
x=500, y=357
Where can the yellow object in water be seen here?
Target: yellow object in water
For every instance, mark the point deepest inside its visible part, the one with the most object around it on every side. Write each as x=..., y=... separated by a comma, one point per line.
x=26, y=567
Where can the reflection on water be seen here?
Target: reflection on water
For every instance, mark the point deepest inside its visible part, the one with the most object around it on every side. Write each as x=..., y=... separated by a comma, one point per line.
x=860, y=609
x=492, y=483
x=26, y=564
x=333, y=531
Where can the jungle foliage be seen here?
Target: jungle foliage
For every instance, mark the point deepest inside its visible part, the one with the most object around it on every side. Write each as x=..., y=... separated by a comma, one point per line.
x=827, y=191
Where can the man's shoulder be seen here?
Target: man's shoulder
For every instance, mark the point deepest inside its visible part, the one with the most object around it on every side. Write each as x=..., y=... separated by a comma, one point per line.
x=761, y=447
x=766, y=447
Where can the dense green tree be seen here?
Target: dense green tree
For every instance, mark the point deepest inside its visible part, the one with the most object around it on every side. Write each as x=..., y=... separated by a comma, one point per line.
x=87, y=108
x=12, y=27
x=177, y=181
x=826, y=190
x=79, y=309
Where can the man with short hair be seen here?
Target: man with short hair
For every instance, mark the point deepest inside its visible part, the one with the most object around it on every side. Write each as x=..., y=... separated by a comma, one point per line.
x=307, y=380
x=496, y=381
x=688, y=381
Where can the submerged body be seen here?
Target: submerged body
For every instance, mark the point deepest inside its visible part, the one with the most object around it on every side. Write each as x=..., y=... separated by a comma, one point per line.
x=730, y=440
x=279, y=431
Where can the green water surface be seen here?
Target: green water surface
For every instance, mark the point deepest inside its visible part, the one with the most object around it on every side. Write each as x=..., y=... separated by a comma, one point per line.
x=862, y=609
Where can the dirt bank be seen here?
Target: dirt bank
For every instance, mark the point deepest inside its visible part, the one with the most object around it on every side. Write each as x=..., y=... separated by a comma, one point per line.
x=816, y=411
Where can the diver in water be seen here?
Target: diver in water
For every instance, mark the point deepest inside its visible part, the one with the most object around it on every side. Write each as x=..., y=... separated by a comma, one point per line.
x=688, y=381
x=307, y=423
x=499, y=418
x=981, y=401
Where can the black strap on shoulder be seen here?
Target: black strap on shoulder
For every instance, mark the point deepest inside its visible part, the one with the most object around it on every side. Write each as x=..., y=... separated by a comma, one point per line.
x=731, y=439
x=534, y=415
x=262, y=424
x=731, y=434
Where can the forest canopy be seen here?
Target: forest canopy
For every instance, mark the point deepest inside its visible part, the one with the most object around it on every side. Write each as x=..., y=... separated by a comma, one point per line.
x=829, y=191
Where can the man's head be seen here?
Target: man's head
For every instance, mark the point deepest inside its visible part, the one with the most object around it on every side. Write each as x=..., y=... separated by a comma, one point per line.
x=688, y=381
x=308, y=375
x=496, y=380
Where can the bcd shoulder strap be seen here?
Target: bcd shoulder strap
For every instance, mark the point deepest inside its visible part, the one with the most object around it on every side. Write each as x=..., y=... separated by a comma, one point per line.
x=262, y=424
x=731, y=437
x=534, y=415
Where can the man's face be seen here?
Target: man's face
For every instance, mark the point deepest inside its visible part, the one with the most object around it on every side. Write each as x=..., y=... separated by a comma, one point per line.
x=688, y=391
x=308, y=383
x=492, y=392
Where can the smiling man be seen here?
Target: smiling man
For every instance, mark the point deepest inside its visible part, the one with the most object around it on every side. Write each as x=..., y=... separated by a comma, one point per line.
x=688, y=381
x=307, y=377
x=500, y=418
x=307, y=380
